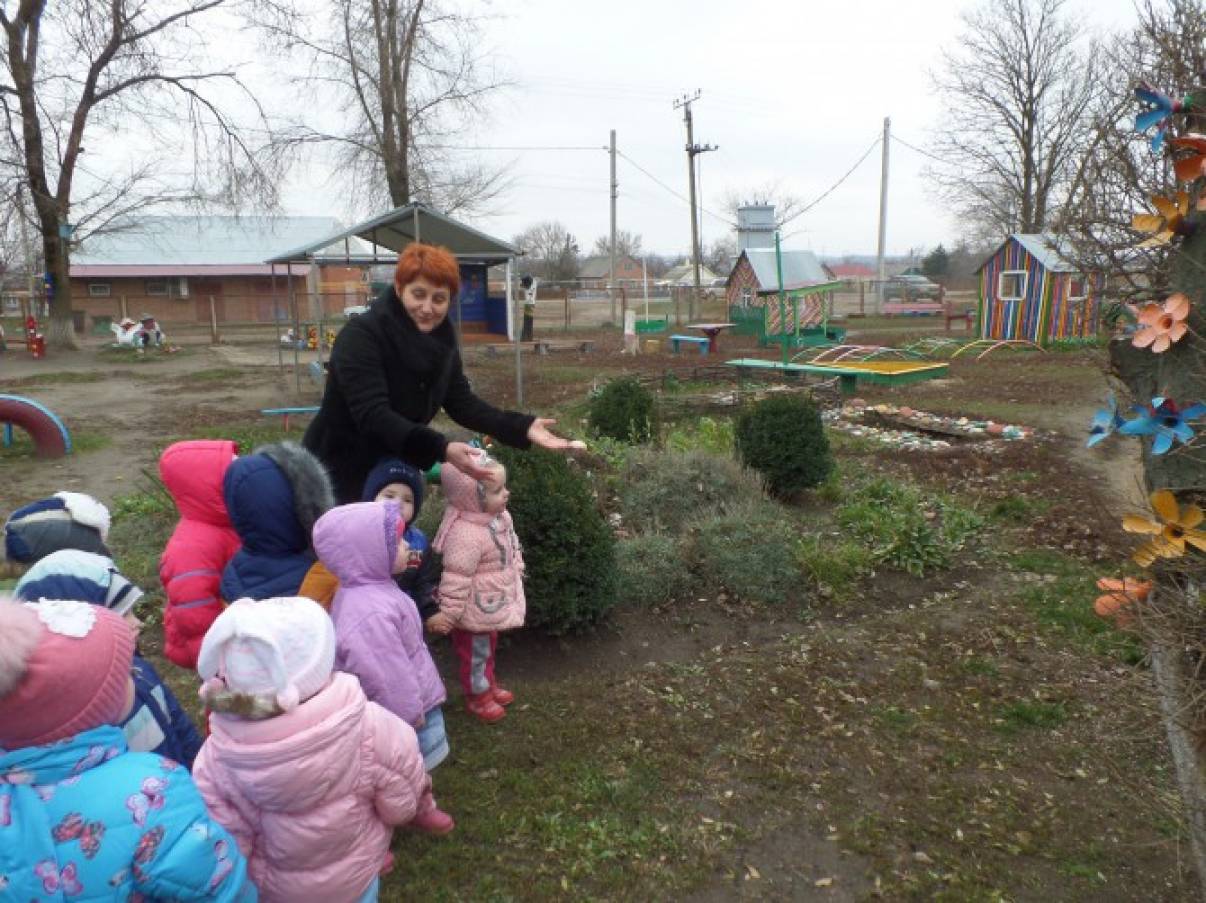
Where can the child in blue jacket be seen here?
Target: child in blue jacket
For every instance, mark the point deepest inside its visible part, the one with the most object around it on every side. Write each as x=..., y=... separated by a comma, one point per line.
x=82, y=817
x=157, y=723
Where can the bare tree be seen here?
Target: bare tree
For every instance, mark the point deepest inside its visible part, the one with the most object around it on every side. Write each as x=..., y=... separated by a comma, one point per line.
x=81, y=67
x=628, y=244
x=1017, y=94
x=720, y=255
x=551, y=250
x=788, y=205
x=408, y=80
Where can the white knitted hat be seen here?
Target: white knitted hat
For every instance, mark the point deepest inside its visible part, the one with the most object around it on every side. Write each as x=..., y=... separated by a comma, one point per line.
x=283, y=649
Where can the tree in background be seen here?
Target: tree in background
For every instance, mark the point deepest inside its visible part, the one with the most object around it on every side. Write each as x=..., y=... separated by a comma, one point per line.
x=788, y=205
x=720, y=255
x=550, y=249
x=628, y=244
x=937, y=263
x=409, y=81
x=1017, y=92
x=79, y=68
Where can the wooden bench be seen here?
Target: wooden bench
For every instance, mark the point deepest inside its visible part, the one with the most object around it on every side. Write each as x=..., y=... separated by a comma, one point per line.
x=698, y=341
x=539, y=347
x=287, y=412
x=912, y=308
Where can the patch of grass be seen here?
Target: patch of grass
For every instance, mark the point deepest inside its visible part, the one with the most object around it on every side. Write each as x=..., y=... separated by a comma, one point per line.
x=214, y=375
x=1045, y=561
x=131, y=355
x=834, y=562
x=142, y=522
x=1017, y=509
x=1017, y=716
x=980, y=667
x=249, y=434
x=705, y=434
x=61, y=377
x=897, y=720
x=81, y=443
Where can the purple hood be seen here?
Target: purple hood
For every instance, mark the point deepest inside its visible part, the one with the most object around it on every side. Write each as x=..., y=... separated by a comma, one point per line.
x=357, y=543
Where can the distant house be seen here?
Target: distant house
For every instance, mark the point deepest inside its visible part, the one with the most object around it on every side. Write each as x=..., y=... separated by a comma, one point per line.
x=1030, y=290
x=684, y=275
x=170, y=267
x=595, y=272
x=853, y=272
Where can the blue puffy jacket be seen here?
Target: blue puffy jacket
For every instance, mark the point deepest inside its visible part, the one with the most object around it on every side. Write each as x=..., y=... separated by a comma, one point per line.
x=86, y=820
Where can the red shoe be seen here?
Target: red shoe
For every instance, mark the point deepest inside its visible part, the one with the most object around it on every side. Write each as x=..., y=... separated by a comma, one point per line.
x=501, y=696
x=434, y=821
x=484, y=707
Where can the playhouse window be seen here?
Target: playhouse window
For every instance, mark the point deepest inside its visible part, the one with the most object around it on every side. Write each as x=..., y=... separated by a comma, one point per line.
x=1011, y=285
x=747, y=295
x=99, y=290
x=1078, y=287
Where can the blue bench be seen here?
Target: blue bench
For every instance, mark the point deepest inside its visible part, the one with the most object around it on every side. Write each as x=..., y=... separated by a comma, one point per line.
x=700, y=343
x=287, y=412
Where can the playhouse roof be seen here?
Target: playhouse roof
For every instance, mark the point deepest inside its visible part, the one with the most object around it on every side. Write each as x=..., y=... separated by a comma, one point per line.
x=1051, y=251
x=800, y=268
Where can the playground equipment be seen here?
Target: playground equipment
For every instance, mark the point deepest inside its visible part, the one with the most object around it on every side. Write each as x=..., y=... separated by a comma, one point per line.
x=991, y=345
x=141, y=333
x=889, y=373
x=48, y=432
x=32, y=338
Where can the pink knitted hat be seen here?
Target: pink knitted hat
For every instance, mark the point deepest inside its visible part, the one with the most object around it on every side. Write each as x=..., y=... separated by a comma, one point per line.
x=64, y=669
x=283, y=649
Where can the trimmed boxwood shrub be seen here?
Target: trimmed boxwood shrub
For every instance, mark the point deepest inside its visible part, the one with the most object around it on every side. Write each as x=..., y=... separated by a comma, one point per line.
x=651, y=570
x=782, y=438
x=665, y=489
x=567, y=546
x=750, y=552
x=623, y=410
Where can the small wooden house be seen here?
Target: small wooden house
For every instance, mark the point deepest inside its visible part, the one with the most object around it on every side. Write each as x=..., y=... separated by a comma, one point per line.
x=753, y=293
x=1030, y=290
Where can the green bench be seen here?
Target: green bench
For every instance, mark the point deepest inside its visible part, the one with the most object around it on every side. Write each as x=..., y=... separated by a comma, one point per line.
x=286, y=413
x=699, y=342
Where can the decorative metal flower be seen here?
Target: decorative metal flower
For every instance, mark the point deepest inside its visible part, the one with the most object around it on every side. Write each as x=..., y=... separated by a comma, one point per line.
x=1105, y=422
x=1121, y=595
x=1176, y=527
x=1191, y=166
x=1169, y=221
x=1164, y=420
x=1160, y=110
x=1162, y=324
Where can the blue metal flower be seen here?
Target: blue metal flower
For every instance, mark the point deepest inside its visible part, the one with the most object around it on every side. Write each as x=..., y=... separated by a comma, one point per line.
x=1105, y=422
x=1160, y=109
x=1163, y=420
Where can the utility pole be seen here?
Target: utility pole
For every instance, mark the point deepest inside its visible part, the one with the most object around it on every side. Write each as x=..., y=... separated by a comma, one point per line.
x=611, y=280
x=883, y=216
x=693, y=150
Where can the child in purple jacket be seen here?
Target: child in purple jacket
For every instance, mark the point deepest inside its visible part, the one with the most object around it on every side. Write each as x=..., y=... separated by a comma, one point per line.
x=378, y=631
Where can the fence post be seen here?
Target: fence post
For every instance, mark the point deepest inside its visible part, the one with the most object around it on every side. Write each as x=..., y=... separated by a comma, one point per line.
x=862, y=298
x=214, y=338
x=125, y=314
x=567, y=309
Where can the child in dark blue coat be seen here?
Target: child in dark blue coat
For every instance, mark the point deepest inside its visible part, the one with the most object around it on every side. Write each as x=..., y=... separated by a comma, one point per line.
x=396, y=481
x=157, y=723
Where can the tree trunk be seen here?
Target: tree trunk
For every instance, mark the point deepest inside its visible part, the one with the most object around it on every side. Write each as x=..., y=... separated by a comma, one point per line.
x=60, y=330
x=1179, y=374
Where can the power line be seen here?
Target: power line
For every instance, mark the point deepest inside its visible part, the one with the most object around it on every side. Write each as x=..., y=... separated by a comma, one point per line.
x=831, y=189
x=654, y=178
x=918, y=150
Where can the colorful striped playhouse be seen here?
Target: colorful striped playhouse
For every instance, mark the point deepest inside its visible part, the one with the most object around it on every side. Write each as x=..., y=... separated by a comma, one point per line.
x=1029, y=290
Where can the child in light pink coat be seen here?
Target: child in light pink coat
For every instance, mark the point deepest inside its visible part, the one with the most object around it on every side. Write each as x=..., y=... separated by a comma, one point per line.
x=308, y=775
x=481, y=590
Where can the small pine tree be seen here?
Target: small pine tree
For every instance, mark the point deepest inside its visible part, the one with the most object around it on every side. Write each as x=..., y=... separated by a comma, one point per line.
x=783, y=439
x=623, y=411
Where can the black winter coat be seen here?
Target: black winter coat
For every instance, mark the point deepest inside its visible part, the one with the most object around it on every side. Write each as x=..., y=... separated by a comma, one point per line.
x=386, y=382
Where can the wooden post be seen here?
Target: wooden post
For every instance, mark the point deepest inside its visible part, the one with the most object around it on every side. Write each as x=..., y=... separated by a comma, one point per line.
x=214, y=338
x=567, y=309
x=125, y=314
x=862, y=298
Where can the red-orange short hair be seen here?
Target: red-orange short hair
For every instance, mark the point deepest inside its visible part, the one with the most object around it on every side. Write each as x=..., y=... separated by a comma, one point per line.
x=434, y=263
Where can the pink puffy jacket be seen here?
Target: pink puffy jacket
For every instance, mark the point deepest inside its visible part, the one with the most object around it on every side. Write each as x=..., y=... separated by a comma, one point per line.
x=200, y=546
x=312, y=796
x=482, y=585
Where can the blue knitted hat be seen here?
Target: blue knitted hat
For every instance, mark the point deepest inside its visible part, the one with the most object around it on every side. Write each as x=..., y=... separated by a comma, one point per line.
x=391, y=470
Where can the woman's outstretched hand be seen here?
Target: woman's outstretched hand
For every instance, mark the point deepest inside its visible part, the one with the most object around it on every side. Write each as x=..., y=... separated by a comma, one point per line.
x=464, y=458
x=540, y=434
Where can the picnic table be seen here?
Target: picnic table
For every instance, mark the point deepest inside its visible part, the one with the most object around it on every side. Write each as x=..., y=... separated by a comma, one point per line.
x=711, y=330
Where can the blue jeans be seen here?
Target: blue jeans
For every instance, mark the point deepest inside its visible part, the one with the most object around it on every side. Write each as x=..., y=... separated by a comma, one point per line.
x=433, y=742
x=370, y=894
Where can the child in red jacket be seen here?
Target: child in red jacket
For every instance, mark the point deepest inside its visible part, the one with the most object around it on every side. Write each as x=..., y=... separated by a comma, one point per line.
x=200, y=547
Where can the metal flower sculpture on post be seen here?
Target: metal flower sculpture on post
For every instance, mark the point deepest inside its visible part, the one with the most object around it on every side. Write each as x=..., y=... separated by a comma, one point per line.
x=1160, y=110
x=1176, y=528
x=1162, y=324
x=1190, y=166
x=1165, y=421
x=1168, y=221
x=1105, y=422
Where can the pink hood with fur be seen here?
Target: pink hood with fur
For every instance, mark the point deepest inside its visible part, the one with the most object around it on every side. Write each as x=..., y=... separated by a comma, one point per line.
x=312, y=796
x=482, y=584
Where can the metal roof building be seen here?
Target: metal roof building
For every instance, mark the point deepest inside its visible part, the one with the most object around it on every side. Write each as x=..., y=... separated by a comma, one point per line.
x=800, y=268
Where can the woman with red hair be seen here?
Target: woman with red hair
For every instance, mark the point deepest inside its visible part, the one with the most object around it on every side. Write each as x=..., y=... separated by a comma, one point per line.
x=391, y=371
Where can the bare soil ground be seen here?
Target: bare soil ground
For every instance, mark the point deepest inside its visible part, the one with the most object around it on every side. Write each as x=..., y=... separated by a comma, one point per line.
x=968, y=735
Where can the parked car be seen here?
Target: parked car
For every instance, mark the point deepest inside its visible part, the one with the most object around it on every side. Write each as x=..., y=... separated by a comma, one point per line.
x=355, y=310
x=911, y=288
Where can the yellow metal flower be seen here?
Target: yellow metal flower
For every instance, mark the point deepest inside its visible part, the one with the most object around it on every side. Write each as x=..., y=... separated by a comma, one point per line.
x=1178, y=527
x=1166, y=223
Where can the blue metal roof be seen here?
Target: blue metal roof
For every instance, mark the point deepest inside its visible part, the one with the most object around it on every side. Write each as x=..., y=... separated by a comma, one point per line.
x=800, y=268
x=1051, y=251
x=181, y=240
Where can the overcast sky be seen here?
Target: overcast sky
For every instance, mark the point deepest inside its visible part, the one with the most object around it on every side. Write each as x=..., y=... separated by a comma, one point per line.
x=793, y=92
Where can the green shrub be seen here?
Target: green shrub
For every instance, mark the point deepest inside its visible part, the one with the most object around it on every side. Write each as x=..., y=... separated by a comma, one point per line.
x=568, y=548
x=783, y=438
x=665, y=489
x=623, y=410
x=834, y=562
x=749, y=551
x=704, y=434
x=651, y=570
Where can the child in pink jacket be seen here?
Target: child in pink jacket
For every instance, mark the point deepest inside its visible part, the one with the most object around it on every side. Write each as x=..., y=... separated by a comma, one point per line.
x=308, y=775
x=481, y=590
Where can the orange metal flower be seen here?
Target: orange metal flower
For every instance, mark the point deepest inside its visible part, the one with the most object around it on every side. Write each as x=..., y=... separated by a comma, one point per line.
x=1162, y=324
x=1166, y=223
x=1120, y=597
x=1192, y=166
x=1178, y=527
